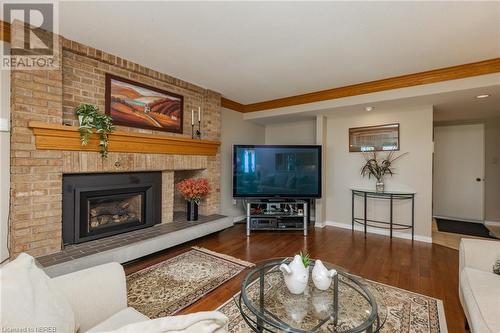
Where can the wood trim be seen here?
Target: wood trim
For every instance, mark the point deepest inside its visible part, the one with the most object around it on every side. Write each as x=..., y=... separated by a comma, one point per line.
x=433, y=76
x=4, y=31
x=229, y=104
x=60, y=137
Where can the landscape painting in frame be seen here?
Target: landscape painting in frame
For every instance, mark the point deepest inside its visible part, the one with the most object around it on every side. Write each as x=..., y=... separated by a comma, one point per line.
x=137, y=105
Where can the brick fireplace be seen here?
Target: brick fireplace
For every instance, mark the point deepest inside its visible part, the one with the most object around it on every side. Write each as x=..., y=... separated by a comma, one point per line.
x=49, y=97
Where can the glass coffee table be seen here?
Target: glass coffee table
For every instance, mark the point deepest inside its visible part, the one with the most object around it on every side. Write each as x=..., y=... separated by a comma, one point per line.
x=349, y=305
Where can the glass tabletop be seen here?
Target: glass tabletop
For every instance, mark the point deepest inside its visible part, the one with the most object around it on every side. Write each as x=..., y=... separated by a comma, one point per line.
x=349, y=305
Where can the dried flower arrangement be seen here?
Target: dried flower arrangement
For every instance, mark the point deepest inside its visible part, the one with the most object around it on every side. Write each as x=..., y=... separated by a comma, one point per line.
x=379, y=168
x=194, y=189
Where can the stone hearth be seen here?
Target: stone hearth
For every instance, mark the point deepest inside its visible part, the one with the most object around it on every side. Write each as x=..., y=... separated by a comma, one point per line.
x=129, y=246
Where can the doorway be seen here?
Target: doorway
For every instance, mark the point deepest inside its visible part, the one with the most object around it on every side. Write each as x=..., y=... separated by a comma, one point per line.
x=459, y=156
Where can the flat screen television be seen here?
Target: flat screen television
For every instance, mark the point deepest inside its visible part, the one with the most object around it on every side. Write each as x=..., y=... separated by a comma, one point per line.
x=269, y=171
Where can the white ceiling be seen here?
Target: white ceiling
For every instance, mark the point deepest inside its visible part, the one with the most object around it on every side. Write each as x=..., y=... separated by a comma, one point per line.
x=464, y=106
x=255, y=51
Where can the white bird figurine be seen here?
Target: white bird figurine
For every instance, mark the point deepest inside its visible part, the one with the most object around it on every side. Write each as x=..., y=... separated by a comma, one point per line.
x=322, y=277
x=296, y=275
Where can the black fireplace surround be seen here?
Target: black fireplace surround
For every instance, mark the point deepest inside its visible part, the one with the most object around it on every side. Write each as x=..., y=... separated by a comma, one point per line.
x=104, y=204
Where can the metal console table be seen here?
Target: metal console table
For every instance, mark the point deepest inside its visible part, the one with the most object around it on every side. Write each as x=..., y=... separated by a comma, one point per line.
x=391, y=196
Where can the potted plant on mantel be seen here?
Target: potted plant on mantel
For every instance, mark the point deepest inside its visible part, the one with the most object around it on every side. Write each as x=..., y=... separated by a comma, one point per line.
x=378, y=168
x=193, y=190
x=90, y=118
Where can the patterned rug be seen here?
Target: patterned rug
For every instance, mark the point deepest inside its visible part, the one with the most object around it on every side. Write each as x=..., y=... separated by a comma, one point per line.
x=406, y=312
x=168, y=287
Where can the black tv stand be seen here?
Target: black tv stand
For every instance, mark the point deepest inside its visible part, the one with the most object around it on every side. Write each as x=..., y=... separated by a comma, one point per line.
x=277, y=214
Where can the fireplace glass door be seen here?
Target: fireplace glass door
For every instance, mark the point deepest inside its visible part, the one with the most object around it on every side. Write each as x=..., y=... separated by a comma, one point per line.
x=116, y=210
x=106, y=212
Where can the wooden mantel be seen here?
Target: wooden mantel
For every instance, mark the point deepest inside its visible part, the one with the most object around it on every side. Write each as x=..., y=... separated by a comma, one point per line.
x=61, y=137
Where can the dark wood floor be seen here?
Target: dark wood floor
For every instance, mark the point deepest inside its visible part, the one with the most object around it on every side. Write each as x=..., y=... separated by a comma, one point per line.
x=420, y=267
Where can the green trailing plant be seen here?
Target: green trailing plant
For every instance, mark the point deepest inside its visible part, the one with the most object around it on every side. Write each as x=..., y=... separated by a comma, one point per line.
x=306, y=259
x=91, y=119
x=377, y=167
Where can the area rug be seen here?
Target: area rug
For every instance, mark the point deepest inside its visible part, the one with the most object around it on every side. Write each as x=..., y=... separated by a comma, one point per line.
x=407, y=312
x=463, y=228
x=173, y=284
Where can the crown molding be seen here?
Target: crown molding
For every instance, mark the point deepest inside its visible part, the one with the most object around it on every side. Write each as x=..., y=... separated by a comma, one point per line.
x=230, y=104
x=433, y=76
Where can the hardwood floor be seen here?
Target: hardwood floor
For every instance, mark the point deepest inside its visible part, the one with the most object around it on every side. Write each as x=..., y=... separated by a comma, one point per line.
x=428, y=269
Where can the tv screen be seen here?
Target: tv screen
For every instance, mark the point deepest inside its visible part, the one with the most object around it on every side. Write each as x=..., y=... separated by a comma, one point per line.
x=277, y=171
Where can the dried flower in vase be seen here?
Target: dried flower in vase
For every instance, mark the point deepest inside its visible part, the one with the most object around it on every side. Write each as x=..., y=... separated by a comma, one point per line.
x=194, y=189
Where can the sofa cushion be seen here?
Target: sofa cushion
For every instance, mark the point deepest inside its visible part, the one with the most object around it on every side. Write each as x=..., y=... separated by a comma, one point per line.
x=481, y=292
x=124, y=317
x=30, y=300
x=199, y=322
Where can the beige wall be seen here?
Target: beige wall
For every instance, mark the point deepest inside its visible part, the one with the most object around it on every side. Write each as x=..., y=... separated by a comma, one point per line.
x=413, y=171
x=492, y=170
x=235, y=130
x=4, y=162
x=292, y=133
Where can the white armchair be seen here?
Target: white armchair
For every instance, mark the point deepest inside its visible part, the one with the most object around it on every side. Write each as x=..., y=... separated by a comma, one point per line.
x=479, y=288
x=91, y=300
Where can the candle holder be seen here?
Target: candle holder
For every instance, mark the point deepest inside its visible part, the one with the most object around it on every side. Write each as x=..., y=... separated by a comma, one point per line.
x=196, y=134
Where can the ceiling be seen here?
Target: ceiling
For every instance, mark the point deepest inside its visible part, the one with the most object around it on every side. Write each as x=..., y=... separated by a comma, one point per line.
x=256, y=51
x=464, y=106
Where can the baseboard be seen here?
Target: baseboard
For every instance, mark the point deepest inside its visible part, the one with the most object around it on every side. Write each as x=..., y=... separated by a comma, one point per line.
x=239, y=218
x=492, y=223
x=456, y=219
x=378, y=231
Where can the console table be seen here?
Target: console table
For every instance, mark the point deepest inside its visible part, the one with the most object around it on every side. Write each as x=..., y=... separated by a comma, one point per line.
x=388, y=195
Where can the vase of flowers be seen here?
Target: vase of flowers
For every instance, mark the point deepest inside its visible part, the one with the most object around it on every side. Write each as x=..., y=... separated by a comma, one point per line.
x=379, y=167
x=193, y=190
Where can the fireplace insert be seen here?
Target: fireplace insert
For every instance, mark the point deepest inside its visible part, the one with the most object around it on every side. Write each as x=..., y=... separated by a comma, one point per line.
x=101, y=205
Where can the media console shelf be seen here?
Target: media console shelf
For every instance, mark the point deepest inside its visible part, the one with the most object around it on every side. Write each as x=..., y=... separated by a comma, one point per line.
x=277, y=215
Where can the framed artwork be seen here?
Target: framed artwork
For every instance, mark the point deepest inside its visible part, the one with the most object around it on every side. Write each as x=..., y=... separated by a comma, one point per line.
x=135, y=104
x=374, y=138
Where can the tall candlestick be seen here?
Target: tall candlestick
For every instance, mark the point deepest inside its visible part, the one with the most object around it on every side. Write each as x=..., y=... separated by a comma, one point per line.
x=192, y=117
x=199, y=113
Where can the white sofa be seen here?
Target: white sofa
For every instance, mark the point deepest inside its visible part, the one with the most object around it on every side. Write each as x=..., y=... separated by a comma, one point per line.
x=98, y=296
x=91, y=300
x=479, y=287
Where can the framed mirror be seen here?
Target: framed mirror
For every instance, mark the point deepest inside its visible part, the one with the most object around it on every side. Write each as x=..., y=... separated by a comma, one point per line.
x=374, y=138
